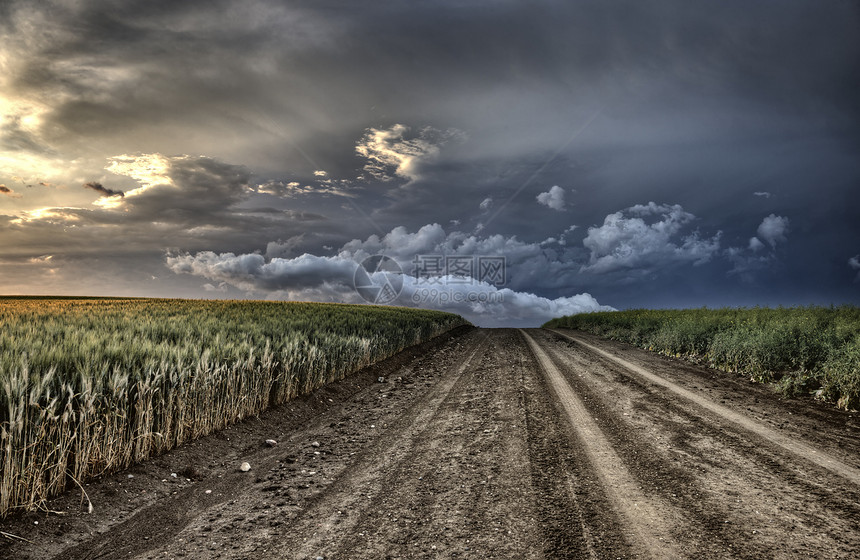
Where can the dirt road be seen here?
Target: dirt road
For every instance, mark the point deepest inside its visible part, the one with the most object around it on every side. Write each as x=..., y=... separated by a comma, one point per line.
x=491, y=444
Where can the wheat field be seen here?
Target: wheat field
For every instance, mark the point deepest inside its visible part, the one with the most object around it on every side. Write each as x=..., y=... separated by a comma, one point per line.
x=91, y=386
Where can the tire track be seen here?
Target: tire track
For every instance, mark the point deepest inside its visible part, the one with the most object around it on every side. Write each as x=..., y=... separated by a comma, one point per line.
x=650, y=520
x=458, y=489
x=794, y=446
x=344, y=512
x=576, y=518
x=773, y=505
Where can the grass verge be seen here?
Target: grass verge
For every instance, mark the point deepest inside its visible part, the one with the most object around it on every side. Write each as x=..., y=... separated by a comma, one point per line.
x=804, y=350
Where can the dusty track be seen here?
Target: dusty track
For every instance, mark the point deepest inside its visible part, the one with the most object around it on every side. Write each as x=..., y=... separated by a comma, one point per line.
x=492, y=444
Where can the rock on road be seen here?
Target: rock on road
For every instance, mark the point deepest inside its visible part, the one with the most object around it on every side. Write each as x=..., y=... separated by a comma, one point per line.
x=495, y=443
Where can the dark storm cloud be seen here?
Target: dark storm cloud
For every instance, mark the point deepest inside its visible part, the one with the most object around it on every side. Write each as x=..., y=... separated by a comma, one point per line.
x=516, y=68
x=102, y=190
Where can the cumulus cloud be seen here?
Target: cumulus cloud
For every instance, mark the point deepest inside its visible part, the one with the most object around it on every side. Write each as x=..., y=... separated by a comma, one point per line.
x=755, y=244
x=313, y=278
x=102, y=190
x=746, y=262
x=553, y=198
x=763, y=194
x=628, y=240
x=482, y=299
x=392, y=153
x=854, y=263
x=486, y=203
x=489, y=306
x=529, y=265
x=773, y=229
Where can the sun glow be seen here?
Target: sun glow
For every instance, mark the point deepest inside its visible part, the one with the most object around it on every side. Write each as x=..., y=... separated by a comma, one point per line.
x=51, y=214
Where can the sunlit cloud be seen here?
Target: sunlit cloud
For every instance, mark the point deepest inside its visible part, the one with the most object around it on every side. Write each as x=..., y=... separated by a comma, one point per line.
x=392, y=153
x=50, y=215
x=147, y=169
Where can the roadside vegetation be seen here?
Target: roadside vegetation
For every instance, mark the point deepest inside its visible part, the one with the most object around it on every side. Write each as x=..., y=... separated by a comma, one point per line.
x=805, y=350
x=91, y=386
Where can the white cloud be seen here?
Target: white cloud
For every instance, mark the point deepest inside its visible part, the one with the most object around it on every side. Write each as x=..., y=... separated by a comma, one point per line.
x=486, y=203
x=854, y=263
x=528, y=265
x=755, y=244
x=553, y=198
x=315, y=278
x=746, y=262
x=627, y=241
x=390, y=153
x=773, y=229
x=489, y=306
x=148, y=170
x=764, y=194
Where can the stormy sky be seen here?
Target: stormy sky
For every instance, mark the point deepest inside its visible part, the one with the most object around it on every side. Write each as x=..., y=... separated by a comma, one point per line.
x=614, y=153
